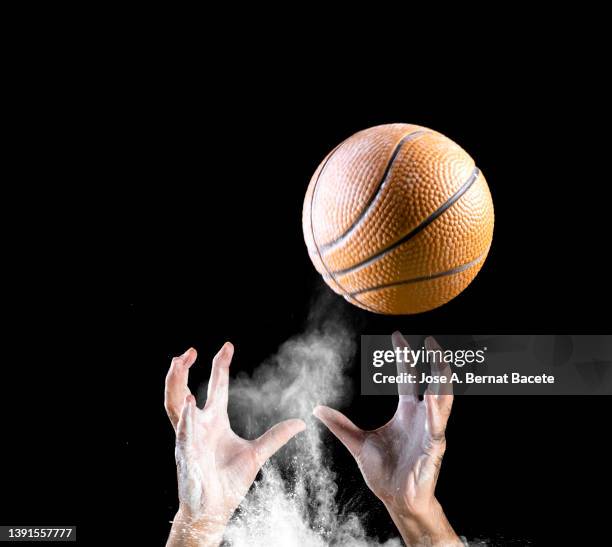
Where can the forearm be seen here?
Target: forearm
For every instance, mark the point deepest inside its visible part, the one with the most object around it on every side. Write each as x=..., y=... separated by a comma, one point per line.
x=428, y=529
x=188, y=532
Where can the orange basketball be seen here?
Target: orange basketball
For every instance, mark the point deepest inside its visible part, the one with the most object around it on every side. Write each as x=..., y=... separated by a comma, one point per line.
x=398, y=219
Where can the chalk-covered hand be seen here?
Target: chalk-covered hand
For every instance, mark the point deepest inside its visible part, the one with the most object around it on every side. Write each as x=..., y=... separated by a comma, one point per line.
x=400, y=461
x=215, y=467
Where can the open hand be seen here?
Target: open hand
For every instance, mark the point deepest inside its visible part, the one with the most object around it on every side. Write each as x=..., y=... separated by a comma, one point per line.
x=401, y=460
x=215, y=467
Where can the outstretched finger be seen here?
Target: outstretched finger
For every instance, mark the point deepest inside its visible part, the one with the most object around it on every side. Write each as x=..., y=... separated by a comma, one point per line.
x=346, y=431
x=440, y=368
x=276, y=437
x=402, y=360
x=219, y=378
x=438, y=399
x=176, y=388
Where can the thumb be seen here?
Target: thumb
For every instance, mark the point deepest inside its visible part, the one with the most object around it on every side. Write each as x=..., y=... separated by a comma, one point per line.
x=346, y=431
x=276, y=437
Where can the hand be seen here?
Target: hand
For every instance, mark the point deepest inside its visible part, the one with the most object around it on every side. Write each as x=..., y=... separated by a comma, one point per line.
x=401, y=460
x=215, y=467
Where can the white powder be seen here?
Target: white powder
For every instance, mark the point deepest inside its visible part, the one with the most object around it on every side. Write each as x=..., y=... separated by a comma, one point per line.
x=294, y=502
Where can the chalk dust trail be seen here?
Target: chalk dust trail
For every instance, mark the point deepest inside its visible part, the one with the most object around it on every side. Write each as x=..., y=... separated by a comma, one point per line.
x=294, y=501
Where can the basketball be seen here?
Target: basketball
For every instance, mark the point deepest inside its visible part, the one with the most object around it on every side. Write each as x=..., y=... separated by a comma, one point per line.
x=398, y=219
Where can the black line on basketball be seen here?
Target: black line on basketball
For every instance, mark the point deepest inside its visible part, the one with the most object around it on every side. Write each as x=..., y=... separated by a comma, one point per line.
x=383, y=180
x=444, y=207
x=453, y=271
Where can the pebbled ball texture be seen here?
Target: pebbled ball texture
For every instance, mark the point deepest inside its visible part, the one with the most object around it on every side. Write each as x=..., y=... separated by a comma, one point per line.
x=398, y=219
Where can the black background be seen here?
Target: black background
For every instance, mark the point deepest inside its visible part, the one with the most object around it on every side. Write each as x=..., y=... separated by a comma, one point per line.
x=171, y=217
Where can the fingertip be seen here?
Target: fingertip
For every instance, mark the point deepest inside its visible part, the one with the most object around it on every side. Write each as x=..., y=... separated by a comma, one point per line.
x=189, y=399
x=322, y=412
x=398, y=339
x=186, y=353
x=225, y=353
x=186, y=359
x=431, y=343
x=192, y=352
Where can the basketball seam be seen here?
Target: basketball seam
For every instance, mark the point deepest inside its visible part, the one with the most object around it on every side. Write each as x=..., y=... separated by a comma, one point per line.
x=409, y=137
x=453, y=271
x=415, y=231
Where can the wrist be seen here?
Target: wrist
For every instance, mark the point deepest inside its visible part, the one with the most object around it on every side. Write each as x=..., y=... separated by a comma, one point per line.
x=204, y=517
x=426, y=526
x=204, y=529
